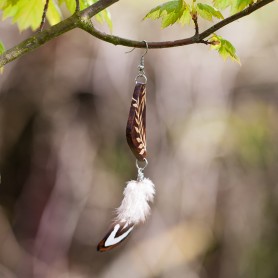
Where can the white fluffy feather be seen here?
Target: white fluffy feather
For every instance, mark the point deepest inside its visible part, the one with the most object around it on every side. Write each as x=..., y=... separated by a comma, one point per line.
x=135, y=205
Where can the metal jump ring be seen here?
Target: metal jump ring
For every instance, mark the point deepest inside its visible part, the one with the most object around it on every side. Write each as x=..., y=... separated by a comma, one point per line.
x=143, y=76
x=142, y=168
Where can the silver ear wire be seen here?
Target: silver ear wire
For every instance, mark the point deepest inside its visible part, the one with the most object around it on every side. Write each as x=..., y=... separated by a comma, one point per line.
x=142, y=63
x=147, y=48
x=141, y=67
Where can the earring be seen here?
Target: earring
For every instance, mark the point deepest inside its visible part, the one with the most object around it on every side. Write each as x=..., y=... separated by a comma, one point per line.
x=134, y=208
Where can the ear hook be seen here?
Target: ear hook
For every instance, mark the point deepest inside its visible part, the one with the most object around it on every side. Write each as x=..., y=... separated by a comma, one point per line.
x=147, y=48
x=141, y=73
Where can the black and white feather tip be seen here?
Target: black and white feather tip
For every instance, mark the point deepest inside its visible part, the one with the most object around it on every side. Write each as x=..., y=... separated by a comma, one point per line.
x=133, y=210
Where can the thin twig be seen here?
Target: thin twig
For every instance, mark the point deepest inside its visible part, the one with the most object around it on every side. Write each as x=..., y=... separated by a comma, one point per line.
x=195, y=20
x=77, y=7
x=81, y=20
x=44, y=15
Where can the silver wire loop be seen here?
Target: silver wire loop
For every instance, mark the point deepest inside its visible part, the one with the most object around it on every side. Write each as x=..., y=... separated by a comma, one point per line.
x=141, y=77
x=140, y=170
x=141, y=67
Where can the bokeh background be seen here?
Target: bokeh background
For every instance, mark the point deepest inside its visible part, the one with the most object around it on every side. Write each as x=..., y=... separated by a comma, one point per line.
x=212, y=148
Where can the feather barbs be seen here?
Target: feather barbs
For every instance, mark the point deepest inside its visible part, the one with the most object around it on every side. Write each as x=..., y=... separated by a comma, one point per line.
x=135, y=206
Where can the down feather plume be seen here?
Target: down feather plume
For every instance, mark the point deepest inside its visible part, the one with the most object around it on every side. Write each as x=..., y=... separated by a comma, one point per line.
x=135, y=205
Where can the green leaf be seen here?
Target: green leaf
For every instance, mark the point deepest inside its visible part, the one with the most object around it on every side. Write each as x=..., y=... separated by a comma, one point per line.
x=224, y=48
x=28, y=13
x=170, y=13
x=208, y=12
x=186, y=18
x=71, y=5
x=165, y=8
x=241, y=5
x=170, y=19
x=3, y=4
x=103, y=16
x=12, y=2
x=53, y=14
x=236, y=5
x=222, y=4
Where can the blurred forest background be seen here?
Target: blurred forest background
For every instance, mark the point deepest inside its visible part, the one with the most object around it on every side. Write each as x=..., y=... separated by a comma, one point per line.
x=212, y=147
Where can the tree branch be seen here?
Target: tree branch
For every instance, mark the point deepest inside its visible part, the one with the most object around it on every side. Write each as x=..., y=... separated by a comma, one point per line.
x=82, y=20
x=197, y=38
x=64, y=26
x=228, y=20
